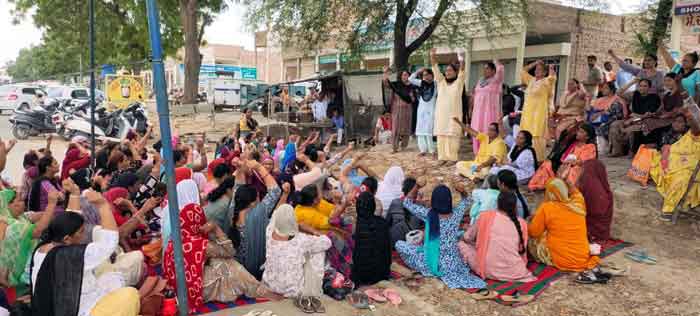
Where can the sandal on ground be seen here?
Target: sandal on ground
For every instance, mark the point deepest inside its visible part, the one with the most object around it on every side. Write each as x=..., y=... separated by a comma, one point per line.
x=517, y=298
x=612, y=269
x=317, y=305
x=392, y=296
x=588, y=277
x=640, y=256
x=484, y=294
x=375, y=295
x=358, y=300
x=267, y=313
x=303, y=303
x=253, y=313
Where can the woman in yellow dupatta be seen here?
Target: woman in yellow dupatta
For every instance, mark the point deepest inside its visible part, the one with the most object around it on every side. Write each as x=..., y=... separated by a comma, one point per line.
x=671, y=170
x=538, y=96
x=558, y=235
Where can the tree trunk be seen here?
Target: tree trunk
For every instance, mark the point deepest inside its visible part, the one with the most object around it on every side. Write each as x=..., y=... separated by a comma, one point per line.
x=193, y=59
x=401, y=55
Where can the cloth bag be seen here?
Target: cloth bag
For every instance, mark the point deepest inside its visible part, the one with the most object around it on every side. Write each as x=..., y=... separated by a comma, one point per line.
x=641, y=165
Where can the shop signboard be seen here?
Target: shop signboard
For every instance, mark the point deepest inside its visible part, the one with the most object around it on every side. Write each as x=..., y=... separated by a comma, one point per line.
x=687, y=7
x=122, y=90
x=327, y=59
x=231, y=71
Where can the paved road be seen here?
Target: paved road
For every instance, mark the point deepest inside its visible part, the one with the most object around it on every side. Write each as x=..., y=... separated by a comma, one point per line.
x=13, y=169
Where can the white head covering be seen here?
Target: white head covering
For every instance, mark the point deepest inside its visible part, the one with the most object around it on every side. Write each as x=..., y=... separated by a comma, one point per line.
x=187, y=193
x=390, y=188
x=284, y=222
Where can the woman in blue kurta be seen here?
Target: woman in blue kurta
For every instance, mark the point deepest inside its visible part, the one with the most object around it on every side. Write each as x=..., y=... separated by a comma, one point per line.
x=439, y=256
x=686, y=68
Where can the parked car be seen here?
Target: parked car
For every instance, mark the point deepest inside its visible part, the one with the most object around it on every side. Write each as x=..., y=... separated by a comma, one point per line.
x=68, y=92
x=17, y=96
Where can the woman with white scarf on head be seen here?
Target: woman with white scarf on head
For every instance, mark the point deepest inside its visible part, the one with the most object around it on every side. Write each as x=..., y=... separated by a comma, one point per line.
x=390, y=188
x=187, y=193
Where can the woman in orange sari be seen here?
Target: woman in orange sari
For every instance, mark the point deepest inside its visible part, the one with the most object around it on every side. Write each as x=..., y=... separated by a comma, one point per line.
x=567, y=158
x=558, y=234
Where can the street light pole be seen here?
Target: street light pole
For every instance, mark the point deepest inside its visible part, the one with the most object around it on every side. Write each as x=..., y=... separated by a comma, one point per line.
x=165, y=136
x=92, y=82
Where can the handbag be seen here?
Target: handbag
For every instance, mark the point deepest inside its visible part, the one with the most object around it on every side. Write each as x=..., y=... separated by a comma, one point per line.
x=641, y=165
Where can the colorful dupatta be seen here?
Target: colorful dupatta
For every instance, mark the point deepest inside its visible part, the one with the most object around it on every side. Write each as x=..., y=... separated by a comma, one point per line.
x=18, y=244
x=194, y=246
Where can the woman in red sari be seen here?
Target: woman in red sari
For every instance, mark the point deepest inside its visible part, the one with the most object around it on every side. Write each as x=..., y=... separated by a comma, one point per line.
x=599, y=200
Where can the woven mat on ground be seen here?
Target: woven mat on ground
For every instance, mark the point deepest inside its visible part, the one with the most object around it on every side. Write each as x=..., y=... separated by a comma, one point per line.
x=612, y=246
x=211, y=307
x=545, y=275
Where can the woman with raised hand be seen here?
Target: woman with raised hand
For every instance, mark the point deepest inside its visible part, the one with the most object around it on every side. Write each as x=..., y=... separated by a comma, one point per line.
x=439, y=256
x=61, y=259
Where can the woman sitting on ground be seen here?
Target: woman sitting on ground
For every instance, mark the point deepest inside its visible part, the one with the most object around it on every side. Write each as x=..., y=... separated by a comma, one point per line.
x=295, y=260
x=558, y=232
x=672, y=169
x=496, y=245
x=44, y=184
x=599, y=200
x=371, y=258
x=604, y=110
x=492, y=151
x=522, y=159
x=626, y=132
x=251, y=216
x=401, y=221
x=507, y=182
x=438, y=256
x=61, y=259
x=212, y=272
x=574, y=152
x=382, y=130
x=484, y=199
x=318, y=217
x=18, y=235
x=220, y=208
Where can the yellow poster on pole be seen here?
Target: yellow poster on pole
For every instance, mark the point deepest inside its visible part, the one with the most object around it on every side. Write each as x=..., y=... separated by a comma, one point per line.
x=122, y=90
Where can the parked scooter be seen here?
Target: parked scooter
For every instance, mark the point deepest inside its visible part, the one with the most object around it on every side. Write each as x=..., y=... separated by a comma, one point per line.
x=116, y=124
x=35, y=120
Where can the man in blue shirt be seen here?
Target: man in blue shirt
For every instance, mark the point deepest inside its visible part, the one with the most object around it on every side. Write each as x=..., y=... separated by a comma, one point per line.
x=623, y=77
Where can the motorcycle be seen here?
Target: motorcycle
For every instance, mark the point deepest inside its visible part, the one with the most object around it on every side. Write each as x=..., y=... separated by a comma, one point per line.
x=35, y=120
x=116, y=124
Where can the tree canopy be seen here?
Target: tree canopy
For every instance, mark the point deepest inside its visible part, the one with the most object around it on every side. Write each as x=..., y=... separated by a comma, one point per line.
x=121, y=33
x=405, y=25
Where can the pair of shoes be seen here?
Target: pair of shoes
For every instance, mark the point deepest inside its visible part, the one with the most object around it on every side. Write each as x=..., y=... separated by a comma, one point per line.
x=590, y=277
x=309, y=304
x=666, y=217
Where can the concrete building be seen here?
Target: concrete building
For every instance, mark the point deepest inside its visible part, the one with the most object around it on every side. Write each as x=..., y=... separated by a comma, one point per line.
x=553, y=32
x=225, y=61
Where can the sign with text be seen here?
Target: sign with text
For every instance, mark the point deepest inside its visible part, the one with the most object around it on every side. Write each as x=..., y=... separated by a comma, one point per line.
x=686, y=7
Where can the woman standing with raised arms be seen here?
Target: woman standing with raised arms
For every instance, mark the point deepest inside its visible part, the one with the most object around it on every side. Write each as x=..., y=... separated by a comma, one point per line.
x=449, y=105
x=537, y=100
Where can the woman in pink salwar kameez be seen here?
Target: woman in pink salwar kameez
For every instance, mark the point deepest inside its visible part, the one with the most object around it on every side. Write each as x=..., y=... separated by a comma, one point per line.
x=486, y=108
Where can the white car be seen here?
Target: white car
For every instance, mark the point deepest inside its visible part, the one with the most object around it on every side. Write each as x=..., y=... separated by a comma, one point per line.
x=68, y=92
x=16, y=96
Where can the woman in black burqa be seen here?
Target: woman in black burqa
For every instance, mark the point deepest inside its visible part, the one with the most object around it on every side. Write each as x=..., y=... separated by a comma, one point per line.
x=371, y=258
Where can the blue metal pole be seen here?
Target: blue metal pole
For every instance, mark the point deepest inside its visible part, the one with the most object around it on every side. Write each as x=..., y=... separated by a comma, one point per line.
x=92, y=82
x=165, y=136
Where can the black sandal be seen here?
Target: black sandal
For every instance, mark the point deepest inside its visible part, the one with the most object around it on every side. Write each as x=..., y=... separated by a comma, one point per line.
x=304, y=304
x=317, y=305
x=589, y=277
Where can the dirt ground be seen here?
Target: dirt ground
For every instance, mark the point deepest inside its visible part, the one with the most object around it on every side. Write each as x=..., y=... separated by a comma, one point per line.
x=672, y=287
